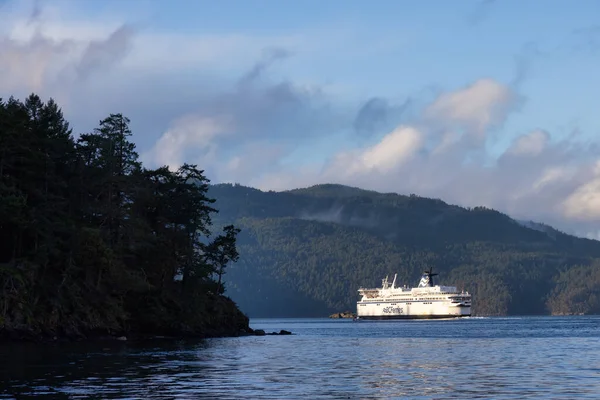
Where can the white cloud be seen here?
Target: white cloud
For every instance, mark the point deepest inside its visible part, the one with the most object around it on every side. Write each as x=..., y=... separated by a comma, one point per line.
x=188, y=133
x=29, y=65
x=553, y=175
x=475, y=108
x=41, y=45
x=394, y=150
x=531, y=144
x=584, y=203
x=447, y=141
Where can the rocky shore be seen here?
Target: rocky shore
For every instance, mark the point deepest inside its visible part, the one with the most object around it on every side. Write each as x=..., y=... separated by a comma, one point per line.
x=220, y=317
x=27, y=336
x=345, y=314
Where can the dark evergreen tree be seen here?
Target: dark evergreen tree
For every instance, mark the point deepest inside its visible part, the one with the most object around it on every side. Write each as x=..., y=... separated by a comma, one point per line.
x=221, y=252
x=92, y=242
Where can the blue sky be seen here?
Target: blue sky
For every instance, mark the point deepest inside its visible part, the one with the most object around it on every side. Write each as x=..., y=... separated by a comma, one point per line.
x=423, y=44
x=475, y=102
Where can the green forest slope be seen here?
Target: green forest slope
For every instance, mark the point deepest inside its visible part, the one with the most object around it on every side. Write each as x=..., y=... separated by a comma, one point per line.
x=305, y=252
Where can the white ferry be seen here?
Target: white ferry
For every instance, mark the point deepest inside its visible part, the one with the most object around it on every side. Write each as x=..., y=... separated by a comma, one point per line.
x=425, y=301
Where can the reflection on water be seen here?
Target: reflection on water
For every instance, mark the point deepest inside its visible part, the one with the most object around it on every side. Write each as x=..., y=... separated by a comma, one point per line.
x=474, y=358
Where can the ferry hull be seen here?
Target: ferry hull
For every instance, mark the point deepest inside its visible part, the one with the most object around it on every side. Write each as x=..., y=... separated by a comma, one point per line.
x=395, y=317
x=382, y=310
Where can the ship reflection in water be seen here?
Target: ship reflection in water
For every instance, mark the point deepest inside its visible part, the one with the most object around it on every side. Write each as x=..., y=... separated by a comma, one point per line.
x=542, y=357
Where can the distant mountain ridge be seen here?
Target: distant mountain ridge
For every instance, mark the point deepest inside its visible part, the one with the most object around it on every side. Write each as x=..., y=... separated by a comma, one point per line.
x=538, y=226
x=305, y=252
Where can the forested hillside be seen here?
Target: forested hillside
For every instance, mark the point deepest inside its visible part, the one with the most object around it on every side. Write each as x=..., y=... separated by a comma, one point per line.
x=93, y=243
x=305, y=252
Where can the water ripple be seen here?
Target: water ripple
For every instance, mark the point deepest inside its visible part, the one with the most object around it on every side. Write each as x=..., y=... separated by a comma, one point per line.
x=500, y=358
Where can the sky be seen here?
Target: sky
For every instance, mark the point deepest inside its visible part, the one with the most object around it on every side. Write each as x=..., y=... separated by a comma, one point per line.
x=479, y=103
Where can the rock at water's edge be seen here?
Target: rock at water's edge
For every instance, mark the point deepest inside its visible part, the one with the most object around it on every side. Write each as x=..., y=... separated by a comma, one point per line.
x=260, y=332
x=346, y=314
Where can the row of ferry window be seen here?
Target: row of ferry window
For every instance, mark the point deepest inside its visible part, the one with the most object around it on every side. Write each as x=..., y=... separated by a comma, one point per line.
x=435, y=298
x=439, y=298
x=394, y=304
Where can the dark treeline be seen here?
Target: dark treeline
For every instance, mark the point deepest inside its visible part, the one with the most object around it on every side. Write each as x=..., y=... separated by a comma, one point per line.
x=305, y=252
x=93, y=243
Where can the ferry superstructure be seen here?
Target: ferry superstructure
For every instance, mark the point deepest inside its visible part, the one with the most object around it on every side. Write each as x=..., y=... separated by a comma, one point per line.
x=425, y=301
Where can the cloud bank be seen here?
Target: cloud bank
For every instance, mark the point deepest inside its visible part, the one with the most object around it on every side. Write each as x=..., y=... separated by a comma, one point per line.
x=536, y=177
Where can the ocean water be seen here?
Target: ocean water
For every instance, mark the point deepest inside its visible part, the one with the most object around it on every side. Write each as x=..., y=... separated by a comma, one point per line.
x=492, y=358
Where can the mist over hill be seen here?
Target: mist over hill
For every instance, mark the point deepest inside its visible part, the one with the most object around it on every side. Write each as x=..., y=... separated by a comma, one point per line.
x=305, y=252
